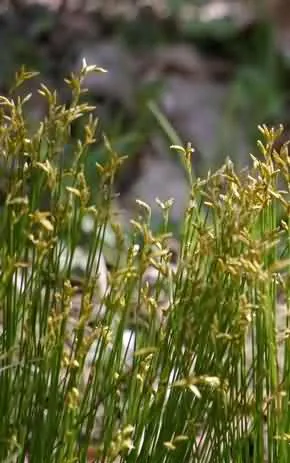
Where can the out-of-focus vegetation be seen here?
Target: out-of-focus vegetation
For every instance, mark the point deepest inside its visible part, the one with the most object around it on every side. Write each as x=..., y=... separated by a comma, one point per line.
x=209, y=72
x=241, y=41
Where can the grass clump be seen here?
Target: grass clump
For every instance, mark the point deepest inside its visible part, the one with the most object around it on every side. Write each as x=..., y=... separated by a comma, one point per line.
x=176, y=355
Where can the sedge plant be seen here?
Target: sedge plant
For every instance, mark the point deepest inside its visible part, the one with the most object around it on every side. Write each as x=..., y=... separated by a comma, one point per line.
x=207, y=377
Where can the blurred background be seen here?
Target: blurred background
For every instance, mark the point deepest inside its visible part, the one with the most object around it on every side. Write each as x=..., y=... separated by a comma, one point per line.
x=201, y=71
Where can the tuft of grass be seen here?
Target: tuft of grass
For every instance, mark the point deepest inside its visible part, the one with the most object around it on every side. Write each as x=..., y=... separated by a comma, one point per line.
x=172, y=356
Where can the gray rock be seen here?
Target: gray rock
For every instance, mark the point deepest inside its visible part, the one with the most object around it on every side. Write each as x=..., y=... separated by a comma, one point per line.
x=162, y=178
x=200, y=112
x=118, y=83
